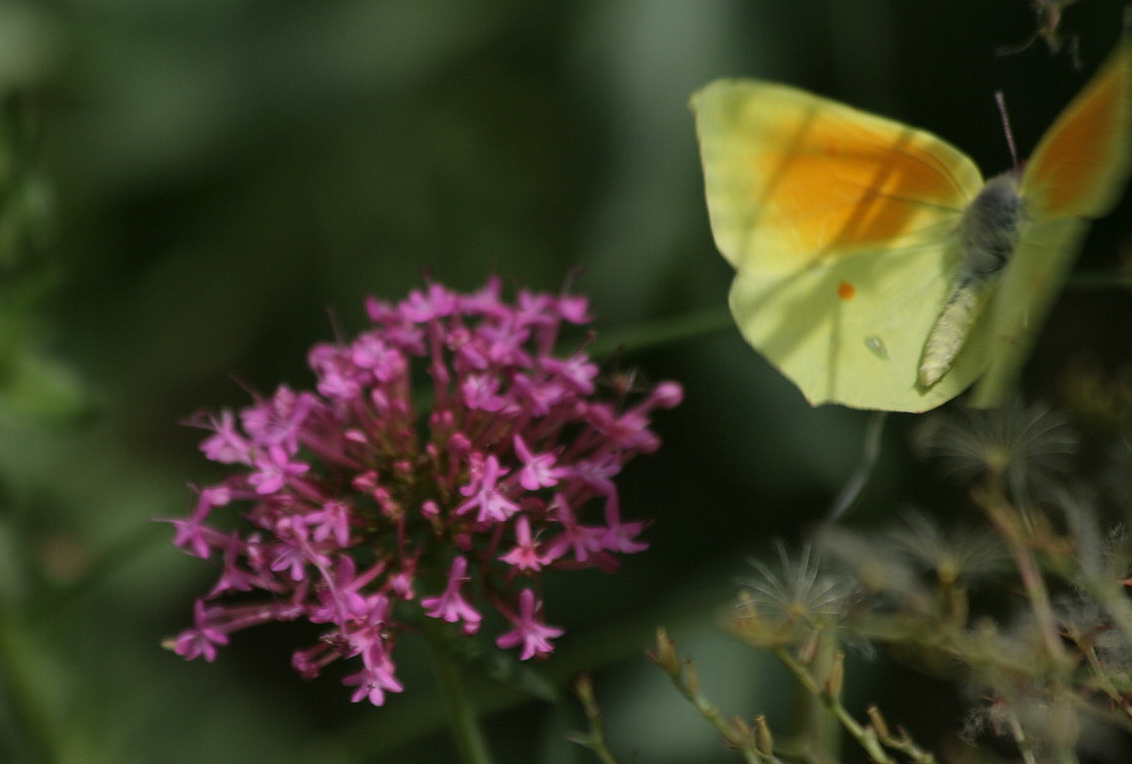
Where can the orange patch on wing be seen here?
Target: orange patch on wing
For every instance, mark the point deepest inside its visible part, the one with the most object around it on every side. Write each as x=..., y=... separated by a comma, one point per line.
x=840, y=187
x=846, y=291
x=1079, y=136
x=1073, y=164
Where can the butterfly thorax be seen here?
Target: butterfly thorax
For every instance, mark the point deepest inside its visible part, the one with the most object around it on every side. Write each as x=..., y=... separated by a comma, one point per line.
x=990, y=227
x=988, y=233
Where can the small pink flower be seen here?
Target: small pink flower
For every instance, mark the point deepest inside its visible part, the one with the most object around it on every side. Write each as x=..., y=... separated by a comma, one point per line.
x=226, y=445
x=274, y=467
x=481, y=392
x=279, y=419
x=619, y=536
x=331, y=522
x=583, y=540
x=373, y=682
x=421, y=307
x=451, y=605
x=533, y=634
x=193, y=536
x=539, y=470
x=577, y=371
x=204, y=638
x=525, y=556
x=486, y=495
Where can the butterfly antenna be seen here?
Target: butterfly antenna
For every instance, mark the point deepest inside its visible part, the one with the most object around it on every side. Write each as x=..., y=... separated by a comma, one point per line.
x=1000, y=99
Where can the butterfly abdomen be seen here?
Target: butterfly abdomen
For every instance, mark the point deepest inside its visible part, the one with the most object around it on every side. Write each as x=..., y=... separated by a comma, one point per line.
x=988, y=234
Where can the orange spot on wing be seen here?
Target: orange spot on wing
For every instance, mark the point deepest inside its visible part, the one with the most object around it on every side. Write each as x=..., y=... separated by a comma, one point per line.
x=846, y=291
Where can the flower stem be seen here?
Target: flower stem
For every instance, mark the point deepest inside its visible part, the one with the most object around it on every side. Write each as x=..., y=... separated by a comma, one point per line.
x=663, y=332
x=595, y=740
x=1009, y=525
x=461, y=716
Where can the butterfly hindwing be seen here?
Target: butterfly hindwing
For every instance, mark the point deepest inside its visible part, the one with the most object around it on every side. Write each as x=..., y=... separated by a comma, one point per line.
x=851, y=331
x=1022, y=299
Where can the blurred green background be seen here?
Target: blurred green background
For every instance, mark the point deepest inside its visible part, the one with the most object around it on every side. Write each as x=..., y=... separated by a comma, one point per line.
x=195, y=191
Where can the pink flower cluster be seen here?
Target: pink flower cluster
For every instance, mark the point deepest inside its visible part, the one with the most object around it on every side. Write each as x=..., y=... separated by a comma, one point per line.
x=360, y=508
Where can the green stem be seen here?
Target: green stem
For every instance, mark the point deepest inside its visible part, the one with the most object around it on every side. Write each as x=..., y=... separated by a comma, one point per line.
x=1008, y=522
x=461, y=715
x=814, y=718
x=595, y=741
x=662, y=332
x=868, y=737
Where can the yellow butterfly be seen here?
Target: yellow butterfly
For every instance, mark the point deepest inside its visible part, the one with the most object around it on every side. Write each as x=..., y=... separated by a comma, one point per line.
x=875, y=266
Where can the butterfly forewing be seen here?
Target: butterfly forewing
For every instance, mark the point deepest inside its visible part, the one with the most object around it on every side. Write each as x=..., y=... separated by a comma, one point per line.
x=792, y=178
